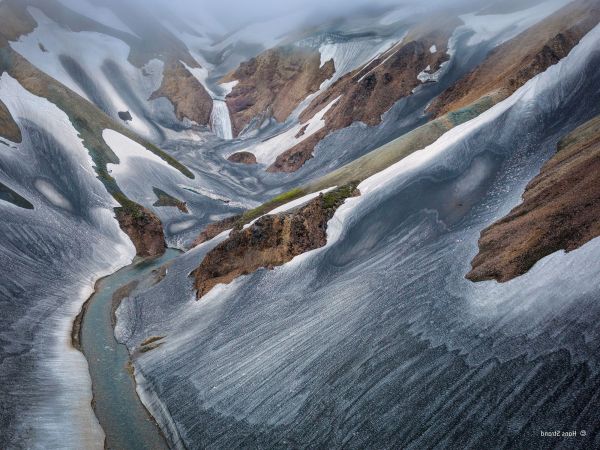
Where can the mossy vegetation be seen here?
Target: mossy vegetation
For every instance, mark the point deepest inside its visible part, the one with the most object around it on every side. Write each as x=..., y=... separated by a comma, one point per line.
x=334, y=198
x=164, y=199
x=128, y=207
x=281, y=199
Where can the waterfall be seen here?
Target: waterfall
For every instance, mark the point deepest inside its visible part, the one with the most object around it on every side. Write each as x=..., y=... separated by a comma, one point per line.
x=220, y=121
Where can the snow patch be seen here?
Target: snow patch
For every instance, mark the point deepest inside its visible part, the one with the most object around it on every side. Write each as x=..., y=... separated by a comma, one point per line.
x=266, y=152
x=129, y=153
x=90, y=50
x=432, y=49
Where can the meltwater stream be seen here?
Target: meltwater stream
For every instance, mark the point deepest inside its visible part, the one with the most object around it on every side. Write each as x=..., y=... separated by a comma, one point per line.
x=124, y=419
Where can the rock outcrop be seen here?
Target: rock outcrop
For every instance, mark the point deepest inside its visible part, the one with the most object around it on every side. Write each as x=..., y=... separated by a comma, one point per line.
x=185, y=92
x=270, y=241
x=560, y=211
x=8, y=127
x=164, y=199
x=125, y=116
x=143, y=228
x=274, y=83
x=510, y=65
x=242, y=158
x=369, y=91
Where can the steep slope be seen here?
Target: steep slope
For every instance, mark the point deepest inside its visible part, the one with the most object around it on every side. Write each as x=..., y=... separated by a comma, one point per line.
x=271, y=241
x=369, y=91
x=273, y=84
x=511, y=64
x=115, y=82
x=186, y=93
x=85, y=117
x=560, y=211
x=377, y=340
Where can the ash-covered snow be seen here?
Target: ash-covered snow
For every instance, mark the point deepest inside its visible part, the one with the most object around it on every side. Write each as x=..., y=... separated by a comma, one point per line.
x=95, y=66
x=50, y=256
x=357, y=330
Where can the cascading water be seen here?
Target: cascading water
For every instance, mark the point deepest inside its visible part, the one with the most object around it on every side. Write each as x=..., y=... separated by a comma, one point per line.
x=220, y=121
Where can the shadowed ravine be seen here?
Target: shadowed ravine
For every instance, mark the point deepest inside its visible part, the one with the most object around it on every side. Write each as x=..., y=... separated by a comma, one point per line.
x=124, y=419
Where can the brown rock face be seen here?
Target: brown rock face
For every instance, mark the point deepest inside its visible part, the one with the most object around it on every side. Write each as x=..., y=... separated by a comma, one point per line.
x=368, y=92
x=560, y=210
x=242, y=158
x=8, y=127
x=186, y=93
x=15, y=21
x=214, y=229
x=143, y=228
x=274, y=83
x=271, y=241
x=294, y=158
x=510, y=65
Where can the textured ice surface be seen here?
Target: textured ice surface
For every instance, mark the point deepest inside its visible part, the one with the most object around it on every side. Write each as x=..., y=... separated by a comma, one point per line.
x=377, y=339
x=50, y=257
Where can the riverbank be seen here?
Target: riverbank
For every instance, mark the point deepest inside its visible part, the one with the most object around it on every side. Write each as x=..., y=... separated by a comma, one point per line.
x=126, y=422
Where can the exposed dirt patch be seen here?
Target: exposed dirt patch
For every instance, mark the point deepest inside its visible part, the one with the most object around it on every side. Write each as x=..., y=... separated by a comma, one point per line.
x=216, y=228
x=164, y=199
x=8, y=127
x=560, y=211
x=125, y=115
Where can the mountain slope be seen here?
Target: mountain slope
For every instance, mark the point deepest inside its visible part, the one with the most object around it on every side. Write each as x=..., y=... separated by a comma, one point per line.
x=560, y=211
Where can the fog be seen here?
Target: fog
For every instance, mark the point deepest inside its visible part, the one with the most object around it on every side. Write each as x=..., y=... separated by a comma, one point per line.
x=234, y=13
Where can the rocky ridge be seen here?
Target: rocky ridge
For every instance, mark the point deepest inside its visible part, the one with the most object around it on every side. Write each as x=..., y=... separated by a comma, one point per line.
x=186, y=93
x=273, y=84
x=510, y=65
x=272, y=240
x=369, y=91
x=560, y=211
